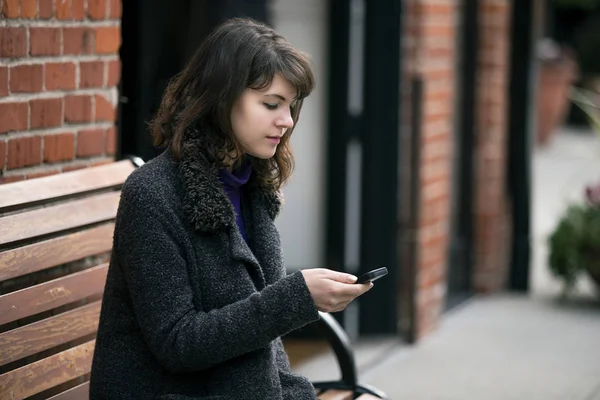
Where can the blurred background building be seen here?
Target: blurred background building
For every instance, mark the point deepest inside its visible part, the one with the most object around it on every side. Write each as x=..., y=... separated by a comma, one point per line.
x=413, y=152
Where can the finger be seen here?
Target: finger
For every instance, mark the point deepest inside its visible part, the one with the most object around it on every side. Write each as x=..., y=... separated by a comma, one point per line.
x=341, y=277
x=359, y=291
x=356, y=290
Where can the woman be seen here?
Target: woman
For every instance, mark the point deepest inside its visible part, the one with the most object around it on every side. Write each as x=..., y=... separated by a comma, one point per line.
x=197, y=296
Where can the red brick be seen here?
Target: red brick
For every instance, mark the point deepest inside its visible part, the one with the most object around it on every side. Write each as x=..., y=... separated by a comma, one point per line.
x=77, y=10
x=41, y=174
x=11, y=178
x=2, y=155
x=44, y=41
x=60, y=76
x=116, y=10
x=105, y=161
x=46, y=9
x=78, y=40
x=90, y=143
x=13, y=116
x=3, y=81
x=24, y=152
x=13, y=42
x=78, y=108
x=96, y=9
x=63, y=9
x=46, y=113
x=28, y=9
x=444, y=9
x=26, y=78
x=108, y=39
x=10, y=8
x=105, y=110
x=114, y=73
x=60, y=147
x=111, y=141
x=91, y=74
x=69, y=168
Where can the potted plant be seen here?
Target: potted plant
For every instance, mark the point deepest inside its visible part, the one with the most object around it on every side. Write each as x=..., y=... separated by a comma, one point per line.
x=575, y=242
x=557, y=73
x=575, y=25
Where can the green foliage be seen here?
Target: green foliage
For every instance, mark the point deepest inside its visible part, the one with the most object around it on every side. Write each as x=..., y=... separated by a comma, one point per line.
x=575, y=243
x=583, y=99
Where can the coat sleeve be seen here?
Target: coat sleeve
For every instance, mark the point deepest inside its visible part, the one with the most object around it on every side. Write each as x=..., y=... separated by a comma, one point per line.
x=150, y=254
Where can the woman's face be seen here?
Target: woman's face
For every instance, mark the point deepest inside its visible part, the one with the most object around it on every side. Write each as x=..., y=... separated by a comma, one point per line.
x=260, y=118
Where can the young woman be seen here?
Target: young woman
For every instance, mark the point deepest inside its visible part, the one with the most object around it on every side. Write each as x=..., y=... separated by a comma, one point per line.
x=197, y=294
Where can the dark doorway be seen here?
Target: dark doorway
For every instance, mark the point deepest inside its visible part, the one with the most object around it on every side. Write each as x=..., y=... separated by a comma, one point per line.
x=158, y=38
x=461, y=237
x=364, y=64
x=521, y=99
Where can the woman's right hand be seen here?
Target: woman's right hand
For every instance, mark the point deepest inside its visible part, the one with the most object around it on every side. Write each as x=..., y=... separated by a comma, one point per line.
x=332, y=290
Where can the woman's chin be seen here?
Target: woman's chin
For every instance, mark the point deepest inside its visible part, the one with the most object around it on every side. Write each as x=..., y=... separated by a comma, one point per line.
x=262, y=154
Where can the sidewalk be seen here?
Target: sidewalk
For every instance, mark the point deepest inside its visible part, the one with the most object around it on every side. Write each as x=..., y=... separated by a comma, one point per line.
x=503, y=347
x=500, y=348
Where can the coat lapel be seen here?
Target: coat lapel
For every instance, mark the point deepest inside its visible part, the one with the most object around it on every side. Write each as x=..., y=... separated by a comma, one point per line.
x=264, y=237
x=209, y=210
x=240, y=251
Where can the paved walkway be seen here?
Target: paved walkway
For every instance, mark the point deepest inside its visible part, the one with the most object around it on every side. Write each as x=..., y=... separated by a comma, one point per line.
x=500, y=348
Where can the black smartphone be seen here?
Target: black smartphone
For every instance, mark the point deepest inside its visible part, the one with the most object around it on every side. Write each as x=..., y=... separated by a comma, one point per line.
x=372, y=275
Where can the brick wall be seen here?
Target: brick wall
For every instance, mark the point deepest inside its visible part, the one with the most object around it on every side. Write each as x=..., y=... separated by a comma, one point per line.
x=59, y=67
x=430, y=53
x=492, y=227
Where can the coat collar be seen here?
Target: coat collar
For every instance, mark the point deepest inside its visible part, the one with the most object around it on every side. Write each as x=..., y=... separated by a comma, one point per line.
x=205, y=203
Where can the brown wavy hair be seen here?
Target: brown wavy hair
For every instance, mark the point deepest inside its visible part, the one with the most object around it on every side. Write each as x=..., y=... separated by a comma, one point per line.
x=238, y=54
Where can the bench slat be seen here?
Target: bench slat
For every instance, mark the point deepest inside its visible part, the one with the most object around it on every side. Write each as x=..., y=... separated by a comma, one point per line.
x=81, y=392
x=336, y=395
x=47, y=373
x=57, y=251
x=37, y=190
x=48, y=333
x=29, y=224
x=52, y=294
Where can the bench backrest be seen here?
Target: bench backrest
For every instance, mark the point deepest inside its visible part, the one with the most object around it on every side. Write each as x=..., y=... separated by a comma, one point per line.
x=55, y=240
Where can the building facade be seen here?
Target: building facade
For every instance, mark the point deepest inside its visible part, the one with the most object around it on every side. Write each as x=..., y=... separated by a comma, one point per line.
x=403, y=150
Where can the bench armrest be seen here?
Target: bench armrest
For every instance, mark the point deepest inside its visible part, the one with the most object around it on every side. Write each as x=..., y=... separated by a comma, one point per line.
x=340, y=343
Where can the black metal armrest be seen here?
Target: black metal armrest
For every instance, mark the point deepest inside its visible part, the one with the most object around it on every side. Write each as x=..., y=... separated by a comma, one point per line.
x=340, y=342
x=135, y=160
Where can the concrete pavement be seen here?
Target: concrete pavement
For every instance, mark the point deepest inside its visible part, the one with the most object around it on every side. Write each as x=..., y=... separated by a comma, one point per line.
x=501, y=348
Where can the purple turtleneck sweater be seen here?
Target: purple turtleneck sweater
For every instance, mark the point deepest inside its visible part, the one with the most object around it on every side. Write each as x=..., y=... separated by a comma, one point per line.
x=233, y=183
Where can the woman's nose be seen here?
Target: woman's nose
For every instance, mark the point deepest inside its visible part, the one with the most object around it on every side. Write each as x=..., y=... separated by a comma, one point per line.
x=286, y=121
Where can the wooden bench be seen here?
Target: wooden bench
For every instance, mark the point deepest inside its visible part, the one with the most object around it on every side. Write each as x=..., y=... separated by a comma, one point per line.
x=55, y=241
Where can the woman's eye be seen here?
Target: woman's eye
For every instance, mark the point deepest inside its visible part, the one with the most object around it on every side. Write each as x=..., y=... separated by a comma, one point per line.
x=271, y=106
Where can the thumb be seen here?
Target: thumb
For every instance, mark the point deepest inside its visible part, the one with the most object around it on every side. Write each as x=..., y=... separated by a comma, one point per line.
x=341, y=277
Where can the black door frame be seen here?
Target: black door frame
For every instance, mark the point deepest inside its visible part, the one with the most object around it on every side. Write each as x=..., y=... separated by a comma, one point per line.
x=381, y=158
x=375, y=129
x=521, y=97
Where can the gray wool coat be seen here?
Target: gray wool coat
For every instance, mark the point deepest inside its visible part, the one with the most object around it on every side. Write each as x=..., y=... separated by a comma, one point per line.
x=190, y=310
